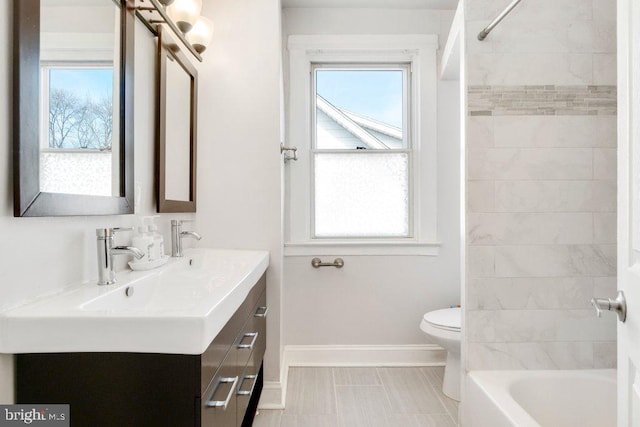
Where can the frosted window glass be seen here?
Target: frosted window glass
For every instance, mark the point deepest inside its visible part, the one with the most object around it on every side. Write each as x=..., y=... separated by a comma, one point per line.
x=76, y=173
x=361, y=195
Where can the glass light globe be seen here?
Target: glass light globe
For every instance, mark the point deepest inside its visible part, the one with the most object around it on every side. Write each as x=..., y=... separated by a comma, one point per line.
x=184, y=13
x=201, y=34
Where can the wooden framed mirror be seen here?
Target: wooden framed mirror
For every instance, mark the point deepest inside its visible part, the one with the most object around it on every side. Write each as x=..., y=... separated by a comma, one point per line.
x=176, y=127
x=73, y=107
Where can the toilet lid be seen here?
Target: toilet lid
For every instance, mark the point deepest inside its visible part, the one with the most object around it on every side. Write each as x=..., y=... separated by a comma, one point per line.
x=448, y=318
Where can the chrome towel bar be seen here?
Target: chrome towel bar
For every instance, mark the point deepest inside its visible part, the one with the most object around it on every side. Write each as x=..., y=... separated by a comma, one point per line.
x=337, y=263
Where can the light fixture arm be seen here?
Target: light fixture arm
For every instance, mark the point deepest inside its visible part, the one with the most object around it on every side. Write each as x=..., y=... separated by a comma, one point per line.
x=156, y=8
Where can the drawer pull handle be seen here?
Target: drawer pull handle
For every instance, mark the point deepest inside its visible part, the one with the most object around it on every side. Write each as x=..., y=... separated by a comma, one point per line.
x=247, y=392
x=222, y=403
x=254, y=336
x=264, y=313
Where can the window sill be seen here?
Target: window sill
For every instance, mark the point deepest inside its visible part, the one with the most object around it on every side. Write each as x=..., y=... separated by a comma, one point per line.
x=375, y=247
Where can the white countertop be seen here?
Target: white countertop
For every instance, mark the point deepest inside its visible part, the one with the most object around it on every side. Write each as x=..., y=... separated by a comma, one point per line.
x=178, y=308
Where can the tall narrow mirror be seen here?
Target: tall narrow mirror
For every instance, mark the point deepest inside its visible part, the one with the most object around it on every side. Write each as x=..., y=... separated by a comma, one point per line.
x=74, y=105
x=177, y=79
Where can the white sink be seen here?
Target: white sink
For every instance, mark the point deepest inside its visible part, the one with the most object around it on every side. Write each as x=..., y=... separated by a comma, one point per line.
x=178, y=308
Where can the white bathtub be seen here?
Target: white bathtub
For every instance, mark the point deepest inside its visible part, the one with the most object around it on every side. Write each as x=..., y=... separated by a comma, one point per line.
x=580, y=398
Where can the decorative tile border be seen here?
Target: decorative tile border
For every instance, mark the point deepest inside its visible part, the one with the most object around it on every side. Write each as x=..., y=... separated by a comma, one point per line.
x=548, y=100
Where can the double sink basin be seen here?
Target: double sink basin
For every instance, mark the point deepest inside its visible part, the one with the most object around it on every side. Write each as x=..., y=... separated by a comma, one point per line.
x=178, y=308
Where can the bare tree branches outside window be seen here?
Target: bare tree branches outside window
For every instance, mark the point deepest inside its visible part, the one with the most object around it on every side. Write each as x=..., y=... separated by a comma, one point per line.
x=83, y=123
x=80, y=124
x=103, y=123
x=62, y=110
x=76, y=122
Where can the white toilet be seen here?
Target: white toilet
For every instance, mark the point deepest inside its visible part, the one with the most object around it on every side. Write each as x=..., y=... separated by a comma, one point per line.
x=443, y=328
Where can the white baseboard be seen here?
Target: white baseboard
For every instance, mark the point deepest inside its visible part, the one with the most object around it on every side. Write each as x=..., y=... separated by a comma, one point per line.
x=365, y=355
x=274, y=393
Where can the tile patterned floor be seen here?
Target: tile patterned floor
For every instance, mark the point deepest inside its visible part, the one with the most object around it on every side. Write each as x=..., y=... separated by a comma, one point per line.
x=367, y=397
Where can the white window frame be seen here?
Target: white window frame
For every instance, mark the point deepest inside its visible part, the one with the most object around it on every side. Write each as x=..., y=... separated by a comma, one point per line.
x=420, y=52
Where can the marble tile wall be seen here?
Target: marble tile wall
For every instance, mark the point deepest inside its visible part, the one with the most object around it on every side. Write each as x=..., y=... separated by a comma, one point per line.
x=541, y=185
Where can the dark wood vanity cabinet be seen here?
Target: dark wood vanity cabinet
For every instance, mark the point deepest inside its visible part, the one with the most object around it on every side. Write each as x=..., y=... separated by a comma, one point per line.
x=220, y=387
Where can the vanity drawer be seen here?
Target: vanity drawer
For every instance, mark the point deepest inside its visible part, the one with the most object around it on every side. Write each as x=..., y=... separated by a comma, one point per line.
x=219, y=402
x=253, y=333
x=250, y=376
x=259, y=320
x=213, y=357
x=230, y=335
x=246, y=387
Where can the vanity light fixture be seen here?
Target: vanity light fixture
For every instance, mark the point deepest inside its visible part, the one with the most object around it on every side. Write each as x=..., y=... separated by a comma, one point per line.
x=182, y=16
x=184, y=13
x=201, y=34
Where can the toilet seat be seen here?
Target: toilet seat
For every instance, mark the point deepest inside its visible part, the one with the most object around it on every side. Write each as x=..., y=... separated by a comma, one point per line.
x=449, y=319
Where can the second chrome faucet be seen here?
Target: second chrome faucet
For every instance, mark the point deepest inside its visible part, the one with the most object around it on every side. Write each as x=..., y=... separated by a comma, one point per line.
x=177, y=235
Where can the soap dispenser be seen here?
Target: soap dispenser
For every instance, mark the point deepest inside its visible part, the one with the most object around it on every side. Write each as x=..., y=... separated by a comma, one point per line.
x=144, y=241
x=158, y=239
x=150, y=240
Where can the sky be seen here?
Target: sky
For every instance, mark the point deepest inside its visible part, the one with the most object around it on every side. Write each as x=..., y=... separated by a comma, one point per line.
x=376, y=94
x=95, y=82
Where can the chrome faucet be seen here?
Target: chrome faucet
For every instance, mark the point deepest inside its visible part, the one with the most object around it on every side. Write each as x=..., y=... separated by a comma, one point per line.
x=619, y=305
x=177, y=235
x=107, y=250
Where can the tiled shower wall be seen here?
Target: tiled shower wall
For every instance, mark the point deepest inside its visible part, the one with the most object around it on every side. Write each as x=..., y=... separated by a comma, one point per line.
x=541, y=184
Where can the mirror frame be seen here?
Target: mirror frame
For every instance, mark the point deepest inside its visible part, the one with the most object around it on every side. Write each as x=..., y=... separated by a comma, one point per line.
x=28, y=199
x=168, y=46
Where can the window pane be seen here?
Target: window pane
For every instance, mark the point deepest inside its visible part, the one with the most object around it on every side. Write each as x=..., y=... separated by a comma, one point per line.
x=80, y=108
x=359, y=109
x=361, y=195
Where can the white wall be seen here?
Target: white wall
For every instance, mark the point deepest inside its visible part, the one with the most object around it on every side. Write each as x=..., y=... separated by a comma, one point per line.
x=541, y=190
x=366, y=21
x=378, y=300
x=239, y=166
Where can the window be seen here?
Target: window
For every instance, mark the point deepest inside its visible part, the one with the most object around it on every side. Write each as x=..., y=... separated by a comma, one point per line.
x=361, y=155
x=77, y=106
x=362, y=113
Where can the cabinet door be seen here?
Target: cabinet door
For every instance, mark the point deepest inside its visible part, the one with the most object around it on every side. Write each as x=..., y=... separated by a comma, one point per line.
x=219, y=403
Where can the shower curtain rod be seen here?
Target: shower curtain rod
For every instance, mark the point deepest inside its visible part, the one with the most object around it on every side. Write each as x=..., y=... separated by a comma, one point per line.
x=484, y=33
